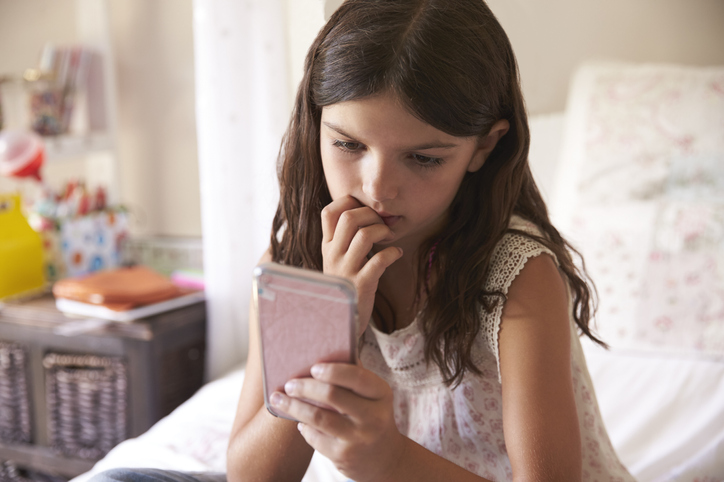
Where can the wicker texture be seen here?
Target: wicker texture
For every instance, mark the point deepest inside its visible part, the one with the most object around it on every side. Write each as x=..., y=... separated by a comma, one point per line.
x=10, y=473
x=14, y=396
x=87, y=403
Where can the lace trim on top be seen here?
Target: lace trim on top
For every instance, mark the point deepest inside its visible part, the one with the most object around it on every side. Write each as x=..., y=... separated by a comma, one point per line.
x=508, y=260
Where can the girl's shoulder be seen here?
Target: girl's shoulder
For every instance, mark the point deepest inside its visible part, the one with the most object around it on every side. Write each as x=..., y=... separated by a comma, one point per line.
x=522, y=242
x=517, y=246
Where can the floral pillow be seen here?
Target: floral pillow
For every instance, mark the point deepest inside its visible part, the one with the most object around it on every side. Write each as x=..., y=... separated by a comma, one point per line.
x=641, y=194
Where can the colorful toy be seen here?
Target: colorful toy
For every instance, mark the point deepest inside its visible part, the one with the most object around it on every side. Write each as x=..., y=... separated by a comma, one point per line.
x=21, y=154
x=21, y=251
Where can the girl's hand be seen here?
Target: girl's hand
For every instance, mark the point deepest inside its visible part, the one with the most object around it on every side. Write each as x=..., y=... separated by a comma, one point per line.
x=349, y=231
x=358, y=432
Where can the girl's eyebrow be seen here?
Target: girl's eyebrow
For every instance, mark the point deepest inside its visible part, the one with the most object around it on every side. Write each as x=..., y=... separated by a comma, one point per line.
x=422, y=147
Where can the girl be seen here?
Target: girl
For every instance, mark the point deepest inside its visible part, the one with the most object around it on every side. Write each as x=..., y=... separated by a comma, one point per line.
x=404, y=169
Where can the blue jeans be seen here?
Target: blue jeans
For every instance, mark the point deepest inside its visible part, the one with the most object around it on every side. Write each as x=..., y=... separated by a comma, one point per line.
x=156, y=475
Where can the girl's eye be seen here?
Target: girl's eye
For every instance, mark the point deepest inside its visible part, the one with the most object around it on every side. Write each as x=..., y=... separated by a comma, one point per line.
x=347, y=145
x=426, y=161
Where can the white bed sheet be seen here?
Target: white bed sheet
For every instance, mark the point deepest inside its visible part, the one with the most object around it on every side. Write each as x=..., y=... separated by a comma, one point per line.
x=664, y=414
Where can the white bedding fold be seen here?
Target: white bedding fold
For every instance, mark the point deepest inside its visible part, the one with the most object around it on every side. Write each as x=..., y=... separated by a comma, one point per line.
x=664, y=413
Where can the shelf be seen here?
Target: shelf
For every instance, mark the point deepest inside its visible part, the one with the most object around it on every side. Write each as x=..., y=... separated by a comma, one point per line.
x=73, y=146
x=163, y=357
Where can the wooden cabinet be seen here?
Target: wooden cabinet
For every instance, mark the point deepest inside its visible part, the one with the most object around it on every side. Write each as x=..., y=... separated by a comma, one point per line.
x=163, y=365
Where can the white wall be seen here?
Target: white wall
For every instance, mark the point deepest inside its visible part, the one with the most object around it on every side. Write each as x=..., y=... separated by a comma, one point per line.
x=153, y=44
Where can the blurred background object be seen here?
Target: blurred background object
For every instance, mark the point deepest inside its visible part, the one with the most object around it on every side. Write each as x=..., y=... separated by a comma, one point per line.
x=22, y=154
x=21, y=251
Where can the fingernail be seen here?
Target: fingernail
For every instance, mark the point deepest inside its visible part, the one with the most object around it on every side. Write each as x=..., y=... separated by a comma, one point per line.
x=290, y=386
x=317, y=370
x=299, y=426
x=276, y=399
x=400, y=250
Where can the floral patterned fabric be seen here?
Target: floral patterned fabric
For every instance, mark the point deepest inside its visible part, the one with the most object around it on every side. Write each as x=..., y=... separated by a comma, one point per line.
x=643, y=173
x=465, y=424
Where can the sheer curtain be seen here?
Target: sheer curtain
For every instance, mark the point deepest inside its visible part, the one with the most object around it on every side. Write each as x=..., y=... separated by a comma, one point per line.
x=242, y=107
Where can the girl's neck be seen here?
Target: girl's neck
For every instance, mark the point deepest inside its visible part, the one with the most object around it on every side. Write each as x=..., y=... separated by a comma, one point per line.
x=398, y=298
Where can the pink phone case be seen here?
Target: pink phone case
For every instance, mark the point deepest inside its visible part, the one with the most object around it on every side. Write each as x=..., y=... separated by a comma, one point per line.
x=305, y=317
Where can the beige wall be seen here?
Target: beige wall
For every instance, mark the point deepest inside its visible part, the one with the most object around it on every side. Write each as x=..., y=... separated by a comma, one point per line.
x=153, y=47
x=25, y=26
x=551, y=37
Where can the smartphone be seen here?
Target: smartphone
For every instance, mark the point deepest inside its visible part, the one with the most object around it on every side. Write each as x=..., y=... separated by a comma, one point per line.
x=305, y=317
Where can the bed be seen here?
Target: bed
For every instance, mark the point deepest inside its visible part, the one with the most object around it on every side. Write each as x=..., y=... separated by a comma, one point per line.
x=634, y=174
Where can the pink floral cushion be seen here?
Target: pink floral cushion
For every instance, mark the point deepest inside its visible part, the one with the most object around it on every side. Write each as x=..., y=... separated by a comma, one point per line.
x=641, y=193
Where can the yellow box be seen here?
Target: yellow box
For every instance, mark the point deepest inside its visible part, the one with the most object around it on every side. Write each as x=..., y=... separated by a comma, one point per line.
x=21, y=250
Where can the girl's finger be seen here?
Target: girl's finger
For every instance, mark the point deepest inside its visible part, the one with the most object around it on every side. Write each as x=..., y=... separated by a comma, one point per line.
x=325, y=420
x=378, y=263
x=363, y=240
x=331, y=213
x=355, y=378
x=319, y=441
x=338, y=399
x=350, y=222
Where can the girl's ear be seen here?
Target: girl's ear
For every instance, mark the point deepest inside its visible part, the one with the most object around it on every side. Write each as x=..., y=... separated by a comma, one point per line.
x=487, y=144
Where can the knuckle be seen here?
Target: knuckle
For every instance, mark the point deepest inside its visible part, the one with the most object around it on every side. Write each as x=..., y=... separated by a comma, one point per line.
x=364, y=235
x=346, y=217
x=317, y=417
x=329, y=392
x=376, y=260
x=327, y=210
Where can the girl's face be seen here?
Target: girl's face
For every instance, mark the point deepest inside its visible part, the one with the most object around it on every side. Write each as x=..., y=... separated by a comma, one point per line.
x=407, y=171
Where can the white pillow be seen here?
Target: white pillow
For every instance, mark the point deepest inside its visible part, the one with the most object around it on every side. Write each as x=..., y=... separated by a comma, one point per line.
x=640, y=190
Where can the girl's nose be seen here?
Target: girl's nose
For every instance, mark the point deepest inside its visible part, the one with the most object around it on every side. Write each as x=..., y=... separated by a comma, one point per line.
x=380, y=179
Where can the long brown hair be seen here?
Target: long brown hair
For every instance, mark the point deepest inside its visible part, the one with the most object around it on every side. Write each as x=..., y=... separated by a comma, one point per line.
x=452, y=66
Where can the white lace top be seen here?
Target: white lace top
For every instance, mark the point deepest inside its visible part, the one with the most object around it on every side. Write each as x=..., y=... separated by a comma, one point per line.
x=465, y=424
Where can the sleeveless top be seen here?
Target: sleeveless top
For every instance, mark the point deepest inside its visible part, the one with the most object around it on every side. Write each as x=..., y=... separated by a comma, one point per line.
x=465, y=424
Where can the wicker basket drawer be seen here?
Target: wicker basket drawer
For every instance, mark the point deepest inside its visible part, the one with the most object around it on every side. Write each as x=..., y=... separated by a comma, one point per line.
x=87, y=400
x=14, y=396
